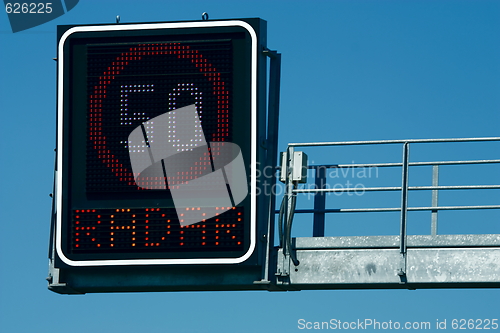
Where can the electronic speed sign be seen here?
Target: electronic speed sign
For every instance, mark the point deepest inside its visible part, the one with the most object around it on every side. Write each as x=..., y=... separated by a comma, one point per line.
x=157, y=153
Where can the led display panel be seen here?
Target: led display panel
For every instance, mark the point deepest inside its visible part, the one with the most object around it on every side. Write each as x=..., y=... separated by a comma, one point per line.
x=157, y=130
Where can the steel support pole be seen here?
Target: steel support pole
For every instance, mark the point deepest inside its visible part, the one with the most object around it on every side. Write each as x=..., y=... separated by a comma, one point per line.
x=272, y=151
x=319, y=202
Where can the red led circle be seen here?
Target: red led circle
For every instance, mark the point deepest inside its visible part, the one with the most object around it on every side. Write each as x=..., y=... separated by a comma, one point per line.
x=96, y=134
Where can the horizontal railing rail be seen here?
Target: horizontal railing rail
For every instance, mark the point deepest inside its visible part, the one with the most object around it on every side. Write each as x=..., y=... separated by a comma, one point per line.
x=380, y=142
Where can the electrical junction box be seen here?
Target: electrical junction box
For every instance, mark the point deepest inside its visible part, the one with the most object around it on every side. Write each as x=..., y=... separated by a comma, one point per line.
x=299, y=167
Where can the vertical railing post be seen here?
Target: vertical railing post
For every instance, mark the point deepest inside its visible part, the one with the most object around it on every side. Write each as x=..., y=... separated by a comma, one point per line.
x=434, y=213
x=404, y=211
x=319, y=202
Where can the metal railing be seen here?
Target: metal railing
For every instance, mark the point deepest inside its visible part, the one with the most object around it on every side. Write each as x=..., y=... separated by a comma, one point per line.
x=288, y=206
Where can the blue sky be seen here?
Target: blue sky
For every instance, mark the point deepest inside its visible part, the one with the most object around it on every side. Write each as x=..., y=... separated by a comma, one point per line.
x=352, y=70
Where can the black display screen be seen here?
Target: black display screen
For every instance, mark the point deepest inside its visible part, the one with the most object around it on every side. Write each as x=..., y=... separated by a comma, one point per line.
x=118, y=84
